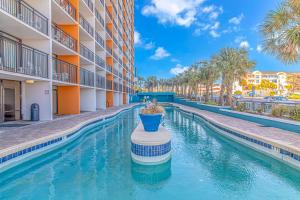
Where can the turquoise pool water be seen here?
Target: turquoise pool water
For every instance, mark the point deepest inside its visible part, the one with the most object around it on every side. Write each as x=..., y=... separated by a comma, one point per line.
x=204, y=165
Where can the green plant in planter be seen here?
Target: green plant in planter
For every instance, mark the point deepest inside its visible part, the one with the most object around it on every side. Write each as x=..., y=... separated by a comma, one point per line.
x=152, y=109
x=295, y=113
x=259, y=110
x=280, y=110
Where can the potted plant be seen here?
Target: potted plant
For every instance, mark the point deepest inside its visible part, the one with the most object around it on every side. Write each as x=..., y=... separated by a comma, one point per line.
x=151, y=117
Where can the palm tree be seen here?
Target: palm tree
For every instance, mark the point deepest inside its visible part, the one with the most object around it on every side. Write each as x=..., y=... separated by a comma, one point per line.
x=281, y=30
x=233, y=64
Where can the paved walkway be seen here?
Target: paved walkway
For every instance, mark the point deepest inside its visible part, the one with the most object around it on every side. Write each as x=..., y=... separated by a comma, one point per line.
x=273, y=135
x=17, y=136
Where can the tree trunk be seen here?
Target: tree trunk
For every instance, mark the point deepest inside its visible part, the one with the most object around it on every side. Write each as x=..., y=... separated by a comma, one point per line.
x=222, y=90
x=229, y=94
x=206, y=92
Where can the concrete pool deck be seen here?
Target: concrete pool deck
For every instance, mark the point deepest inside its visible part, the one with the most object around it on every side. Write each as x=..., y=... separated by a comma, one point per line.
x=17, y=138
x=282, y=139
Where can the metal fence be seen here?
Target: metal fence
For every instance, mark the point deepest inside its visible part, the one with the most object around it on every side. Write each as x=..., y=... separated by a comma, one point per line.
x=26, y=13
x=63, y=71
x=86, y=25
x=100, y=81
x=86, y=77
x=63, y=38
x=19, y=58
x=86, y=52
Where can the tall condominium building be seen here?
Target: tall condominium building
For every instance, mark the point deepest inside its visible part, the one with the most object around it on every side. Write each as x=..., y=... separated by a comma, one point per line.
x=68, y=56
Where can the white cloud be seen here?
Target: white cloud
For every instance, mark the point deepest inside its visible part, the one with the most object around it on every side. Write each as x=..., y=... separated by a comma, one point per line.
x=175, y=60
x=214, y=34
x=178, y=69
x=180, y=12
x=215, y=26
x=259, y=48
x=236, y=20
x=239, y=39
x=214, y=15
x=160, y=53
x=149, y=45
x=244, y=44
x=137, y=38
x=208, y=9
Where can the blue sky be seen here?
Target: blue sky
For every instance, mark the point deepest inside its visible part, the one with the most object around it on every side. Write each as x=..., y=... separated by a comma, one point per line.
x=173, y=34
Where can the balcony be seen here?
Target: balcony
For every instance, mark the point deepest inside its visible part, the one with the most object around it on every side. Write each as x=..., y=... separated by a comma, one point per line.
x=100, y=62
x=108, y=67
x=86, y=53
x=99, y=39
x=90, y=4
x=86, y=77
x=99, y=18
x=109, y=50
x=108, y=84
x=27, y=14
x=86, y=25
x=108, y=13
x=63, y=71
x=19, y=58
x=100, y=81
x=67, y=7
x=108, y=31
x=65, y=39
x=102, y=2
x=115, y=72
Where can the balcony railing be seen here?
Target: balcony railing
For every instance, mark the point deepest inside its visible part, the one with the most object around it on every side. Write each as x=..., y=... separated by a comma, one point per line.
x=108, y=84
x=86, y=77
x=108, y=31
x=19, y=58
x=115, y=72
x=100, y=62
x=85, y=52
x=102, y=2
x=90, y=4
x=25, y=13
x=99, y=39
x=63, y=38
x=99, y=18
x=68, y=7
x=86, y=25
x=108, y=49
x=109, y=67
x=109, y=14
x=63, y=71
x=100, y=81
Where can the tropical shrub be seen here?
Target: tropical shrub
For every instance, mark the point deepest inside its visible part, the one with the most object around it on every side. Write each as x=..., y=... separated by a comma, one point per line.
x=295, y=113
x=241, y=107
x=238, y=92
x=280, y=110
x=213, y=103
x=272, y=93
x=259, y=110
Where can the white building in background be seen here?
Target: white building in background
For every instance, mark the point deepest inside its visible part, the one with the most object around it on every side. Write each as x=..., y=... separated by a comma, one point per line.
x=256, y=77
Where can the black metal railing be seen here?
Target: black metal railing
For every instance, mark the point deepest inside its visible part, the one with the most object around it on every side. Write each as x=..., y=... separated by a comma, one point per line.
x=108, y=49
x=109, y=14
x=19, y=58
x=99, y=18
x=86, y=77
x=63, y=38
x=99, y=39
x=100, y=81
x=90, y=4
x=86, y=25
x=115, y=72
x=109, y=67
x=68, y=7
x=63, y=71
x=86, y=52
x=109, y=84
x=108, y=31
x=100, y=62
x=26, y=13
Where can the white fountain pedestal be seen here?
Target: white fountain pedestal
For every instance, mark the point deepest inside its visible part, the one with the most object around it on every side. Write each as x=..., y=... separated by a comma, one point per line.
x=150, y=148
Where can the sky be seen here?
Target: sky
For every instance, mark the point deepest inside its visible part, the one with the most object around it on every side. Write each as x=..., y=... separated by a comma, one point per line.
x=170, y=35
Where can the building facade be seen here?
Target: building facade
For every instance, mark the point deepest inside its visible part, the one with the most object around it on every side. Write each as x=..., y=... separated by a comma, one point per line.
x=68, y=56
x=281, y=79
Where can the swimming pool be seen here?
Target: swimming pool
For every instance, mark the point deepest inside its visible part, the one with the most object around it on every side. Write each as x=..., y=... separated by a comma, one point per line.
x=204, y=165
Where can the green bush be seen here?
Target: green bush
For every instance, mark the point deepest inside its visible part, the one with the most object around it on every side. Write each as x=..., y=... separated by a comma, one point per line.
x=259, y=110
x=213, y=103
x=241, y=107
x=238, y=92
x=295, y=113
x=280, y=110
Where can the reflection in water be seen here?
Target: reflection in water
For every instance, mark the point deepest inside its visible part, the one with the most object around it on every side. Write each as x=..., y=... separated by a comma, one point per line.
x=151, y=176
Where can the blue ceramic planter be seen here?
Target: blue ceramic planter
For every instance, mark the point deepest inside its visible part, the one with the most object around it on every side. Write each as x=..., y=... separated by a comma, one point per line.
x=151, y=121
